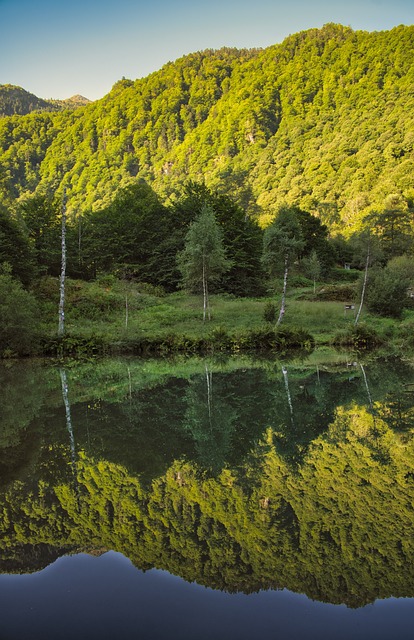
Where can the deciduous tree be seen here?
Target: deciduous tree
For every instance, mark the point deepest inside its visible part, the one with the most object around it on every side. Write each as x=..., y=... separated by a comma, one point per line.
x=282, y=242
x=203, y=259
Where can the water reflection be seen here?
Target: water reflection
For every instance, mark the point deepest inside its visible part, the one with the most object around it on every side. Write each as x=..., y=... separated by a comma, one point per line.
x=240, y=476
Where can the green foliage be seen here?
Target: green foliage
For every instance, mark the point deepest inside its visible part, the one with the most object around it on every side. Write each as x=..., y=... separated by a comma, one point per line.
x=269, y=312
x=322, y=121
x=194, y=472
x=312, y=265
x=387, y=291
x=242, y=236
x=19, y=318
x=402, y=267
x=359, y=337
x=283, y=240
x=393, y=229
x=203, y=258
x=339, y=274
x=132, y=237
x=40, y=215
x=16, y=101
x=15, y=248
x=338, y=292
x=317, y=251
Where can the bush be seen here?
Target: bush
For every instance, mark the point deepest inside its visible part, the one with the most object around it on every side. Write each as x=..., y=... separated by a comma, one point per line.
x=337, y=293
x=18, y=318
x=386, y=293
x=344, y=275
x=269, y=312
x=359, y=337
x=298, y=281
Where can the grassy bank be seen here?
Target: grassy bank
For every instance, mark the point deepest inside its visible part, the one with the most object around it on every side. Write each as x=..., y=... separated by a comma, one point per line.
x=109, y=316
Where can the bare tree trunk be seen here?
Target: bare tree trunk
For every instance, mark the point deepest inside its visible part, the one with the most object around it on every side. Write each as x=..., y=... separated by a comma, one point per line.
x=371, y=406
x=364, y=286
x=65, y=396
x=289, y=397
x=61, y=327
x=283, y=304
x=209, y=380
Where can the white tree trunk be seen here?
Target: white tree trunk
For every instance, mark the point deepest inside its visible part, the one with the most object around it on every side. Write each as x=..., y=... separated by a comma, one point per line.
x=364, y=286
x=61, y=327
x=289, y=397
x=209, y=380
x=65, y=395
x=283, y=304
x=371, y=406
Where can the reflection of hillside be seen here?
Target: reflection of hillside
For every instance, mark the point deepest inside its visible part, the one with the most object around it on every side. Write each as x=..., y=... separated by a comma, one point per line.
x=339, y=528
x=242, y=479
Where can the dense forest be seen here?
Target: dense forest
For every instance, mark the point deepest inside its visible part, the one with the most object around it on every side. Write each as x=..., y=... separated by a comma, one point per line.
x=222, y=172
x=323, y=121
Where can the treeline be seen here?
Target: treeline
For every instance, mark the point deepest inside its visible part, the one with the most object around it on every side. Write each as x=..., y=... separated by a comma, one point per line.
x=323, y=121
x=139, y=238
x=17, y=101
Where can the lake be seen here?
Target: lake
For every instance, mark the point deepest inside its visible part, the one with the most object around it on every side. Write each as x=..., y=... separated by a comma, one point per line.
x=208, y=498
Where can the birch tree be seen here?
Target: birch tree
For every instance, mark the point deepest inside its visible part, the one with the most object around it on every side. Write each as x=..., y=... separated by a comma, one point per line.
x=281, y=244
x=61, y=325
x=203, y=260
x=364, y=284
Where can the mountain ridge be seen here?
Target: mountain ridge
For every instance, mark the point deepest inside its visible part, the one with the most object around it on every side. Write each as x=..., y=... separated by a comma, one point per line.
x=15, y=100
x=323, y=120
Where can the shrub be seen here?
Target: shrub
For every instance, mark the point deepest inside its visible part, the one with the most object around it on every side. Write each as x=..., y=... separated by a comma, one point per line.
x=338, y=293
x=297, y=281
x=386, y=293
x=18, y=318
x=359, y=337
x=344, y=275
x=270, y=312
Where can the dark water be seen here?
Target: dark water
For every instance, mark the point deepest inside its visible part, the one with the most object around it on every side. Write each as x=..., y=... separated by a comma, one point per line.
x=207, y=499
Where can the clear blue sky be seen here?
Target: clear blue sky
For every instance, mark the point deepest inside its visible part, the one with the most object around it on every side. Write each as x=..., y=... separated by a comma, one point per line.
x=57, y=48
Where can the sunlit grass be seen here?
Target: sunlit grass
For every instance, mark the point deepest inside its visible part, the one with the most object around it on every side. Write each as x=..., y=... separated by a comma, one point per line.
x=116, y=315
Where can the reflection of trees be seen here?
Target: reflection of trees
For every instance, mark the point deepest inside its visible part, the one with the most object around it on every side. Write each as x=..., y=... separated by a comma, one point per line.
x=301, y=409
x=22, y=397
x=65, y=396
x=212, y=424
x=143, y=432
x=341, y=530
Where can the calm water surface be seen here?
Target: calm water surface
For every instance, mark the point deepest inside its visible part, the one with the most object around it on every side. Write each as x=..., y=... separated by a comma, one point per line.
x=207, y=499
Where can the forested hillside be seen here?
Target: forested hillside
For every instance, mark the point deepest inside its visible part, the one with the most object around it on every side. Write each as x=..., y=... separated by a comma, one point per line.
x=324, y=121
x=17, y=101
